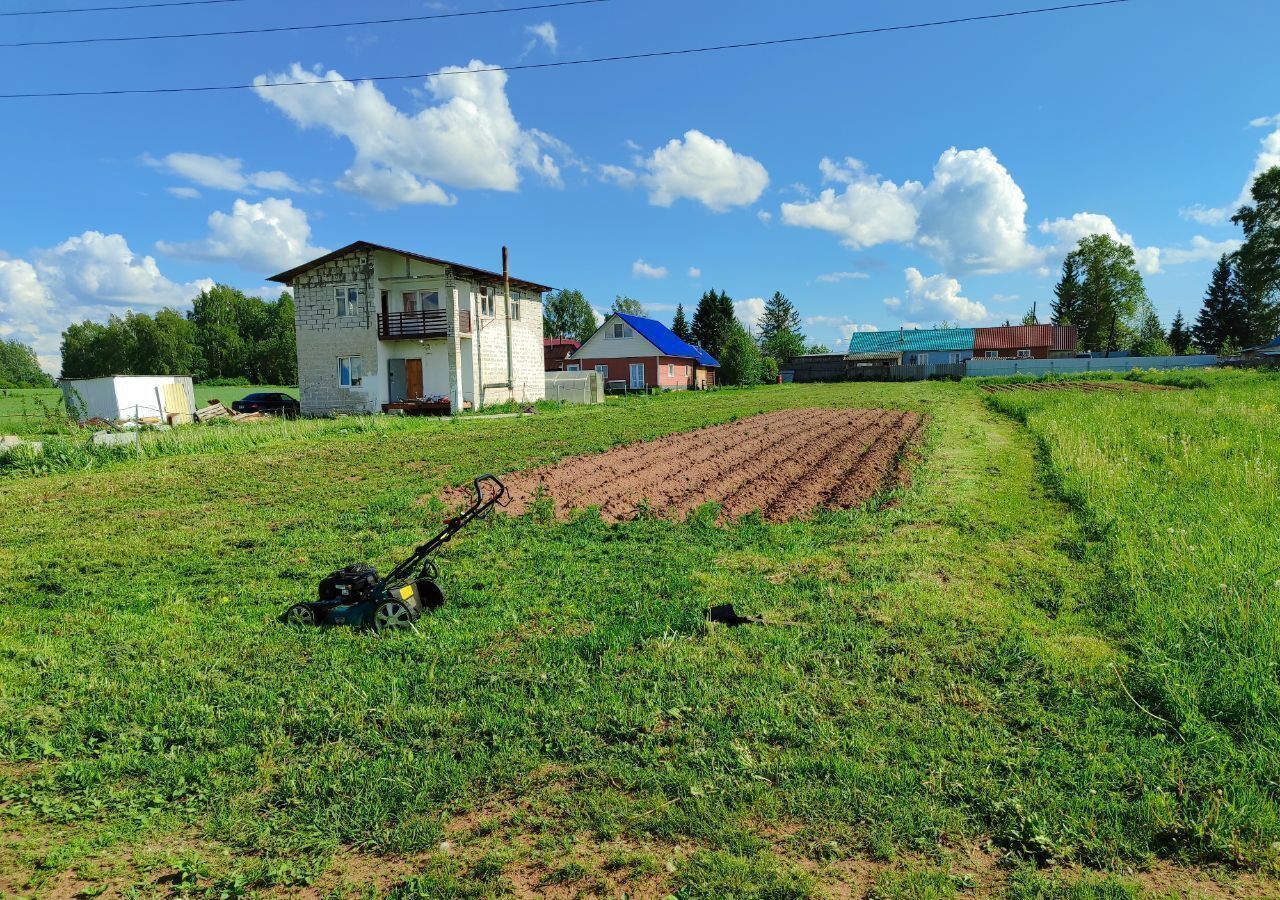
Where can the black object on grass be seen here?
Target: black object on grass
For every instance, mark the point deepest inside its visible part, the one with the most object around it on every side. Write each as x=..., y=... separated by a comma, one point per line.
x=725, y=615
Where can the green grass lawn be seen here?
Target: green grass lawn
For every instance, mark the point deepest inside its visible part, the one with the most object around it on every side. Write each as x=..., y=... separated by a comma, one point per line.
x=974, y=690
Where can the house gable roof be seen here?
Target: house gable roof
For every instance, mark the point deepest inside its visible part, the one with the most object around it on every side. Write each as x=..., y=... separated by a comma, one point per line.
x=481, y=274
x=662, y=338
x=666, y=340
x=914, y=340
x=1018, y=337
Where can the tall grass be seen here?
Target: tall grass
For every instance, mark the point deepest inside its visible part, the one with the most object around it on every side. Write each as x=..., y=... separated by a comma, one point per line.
x=1181, y=490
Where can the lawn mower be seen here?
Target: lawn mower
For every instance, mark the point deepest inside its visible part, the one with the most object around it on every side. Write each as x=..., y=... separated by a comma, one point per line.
x=357, y=596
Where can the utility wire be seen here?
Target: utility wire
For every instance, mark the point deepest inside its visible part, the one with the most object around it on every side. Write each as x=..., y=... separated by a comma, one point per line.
x=654, y=54
x=84, y=9
x=279, y=28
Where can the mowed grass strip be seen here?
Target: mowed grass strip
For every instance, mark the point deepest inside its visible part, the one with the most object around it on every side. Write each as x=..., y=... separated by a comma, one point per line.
x=937, y=679
x=1180, y=489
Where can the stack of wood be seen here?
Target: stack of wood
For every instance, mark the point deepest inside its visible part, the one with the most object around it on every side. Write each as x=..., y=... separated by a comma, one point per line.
x=250, y=417
x=214, y=410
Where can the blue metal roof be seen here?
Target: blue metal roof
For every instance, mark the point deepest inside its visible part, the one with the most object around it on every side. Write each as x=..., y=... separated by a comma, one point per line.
x=666, y=340
x=914, y=340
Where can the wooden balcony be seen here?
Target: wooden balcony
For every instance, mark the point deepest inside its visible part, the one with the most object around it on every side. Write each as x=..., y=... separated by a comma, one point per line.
x=425, y=323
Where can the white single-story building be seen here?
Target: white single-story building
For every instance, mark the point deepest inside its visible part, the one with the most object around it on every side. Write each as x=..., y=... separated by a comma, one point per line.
x=129, y=398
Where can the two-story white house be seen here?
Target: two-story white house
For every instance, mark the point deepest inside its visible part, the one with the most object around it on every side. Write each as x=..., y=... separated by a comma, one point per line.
x=380, y=328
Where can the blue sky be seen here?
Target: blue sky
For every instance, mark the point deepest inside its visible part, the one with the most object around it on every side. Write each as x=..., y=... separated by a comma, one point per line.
x=912, y=177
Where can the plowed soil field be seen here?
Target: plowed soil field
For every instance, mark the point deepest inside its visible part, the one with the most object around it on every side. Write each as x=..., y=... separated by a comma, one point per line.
x=785, y=464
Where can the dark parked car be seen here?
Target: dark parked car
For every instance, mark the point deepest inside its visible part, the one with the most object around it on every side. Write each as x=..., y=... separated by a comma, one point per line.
x=277, y=404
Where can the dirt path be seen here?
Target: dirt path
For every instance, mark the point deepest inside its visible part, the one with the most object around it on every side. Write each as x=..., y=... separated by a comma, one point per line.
x=785, y=464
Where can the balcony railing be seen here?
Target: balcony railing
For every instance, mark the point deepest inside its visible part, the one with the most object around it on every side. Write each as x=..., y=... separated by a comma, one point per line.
x=425, y=323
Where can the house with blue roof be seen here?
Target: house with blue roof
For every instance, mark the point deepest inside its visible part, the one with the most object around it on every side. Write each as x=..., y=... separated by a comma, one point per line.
x=634, y=353
x=911, y=346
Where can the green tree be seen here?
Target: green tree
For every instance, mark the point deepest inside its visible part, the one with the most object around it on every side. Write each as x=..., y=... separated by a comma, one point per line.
x=768, y=370
x=567, y=314
x=162, y=345
x=680, y=325
x=739, y=358
x=1179, y=336
x=1220, y=318
x=1150, y=339
x=275, y=354
x=712, y=321
x=627, y=305
x=1258, y=260
x=82, y=345
x=19, y=366
x=817, y=348
x=1112, y=295
x=1067, y=293
x=216, y=313
x=780, y=336
x=1029, y=317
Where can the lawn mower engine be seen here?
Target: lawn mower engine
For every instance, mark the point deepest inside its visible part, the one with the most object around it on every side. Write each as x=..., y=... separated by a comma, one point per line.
x=356, y=596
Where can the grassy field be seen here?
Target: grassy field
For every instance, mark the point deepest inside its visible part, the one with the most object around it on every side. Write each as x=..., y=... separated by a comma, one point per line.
x=23, y=410
x=1013, y=680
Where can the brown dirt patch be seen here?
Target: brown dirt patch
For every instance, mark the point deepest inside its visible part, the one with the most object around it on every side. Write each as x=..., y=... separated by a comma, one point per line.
x=1087, y=387
x=784, y=464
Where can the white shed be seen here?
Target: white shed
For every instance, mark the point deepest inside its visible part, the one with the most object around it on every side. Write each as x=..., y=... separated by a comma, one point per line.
x=131, y=397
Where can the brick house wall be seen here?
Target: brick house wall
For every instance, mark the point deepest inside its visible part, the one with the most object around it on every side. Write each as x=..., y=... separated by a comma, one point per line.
x=657, y=370
x=323, y=336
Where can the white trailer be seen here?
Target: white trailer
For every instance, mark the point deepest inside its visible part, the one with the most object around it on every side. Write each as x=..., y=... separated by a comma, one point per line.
x=131, y=398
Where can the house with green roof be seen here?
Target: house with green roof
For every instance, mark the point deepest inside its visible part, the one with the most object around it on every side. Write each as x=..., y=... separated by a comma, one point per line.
x=911, y=347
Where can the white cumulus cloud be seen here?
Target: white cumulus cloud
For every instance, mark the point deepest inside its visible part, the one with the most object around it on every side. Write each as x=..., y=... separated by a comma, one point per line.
x=749, y=311
x=695, y=272
x=269, y=236
x=88, y=276
x=223, y=173
x=544, y=33
x=468, y=139
x=705, y=169
x=1201, y=250
x=1268, y=156
x=940, y=297
x=971, y=216
x=1068, y=232
x=641, y=269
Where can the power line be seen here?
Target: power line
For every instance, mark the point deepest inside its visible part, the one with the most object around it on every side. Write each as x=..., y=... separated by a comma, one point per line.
x=84, y=9
x=654, y=54
x=279, y=28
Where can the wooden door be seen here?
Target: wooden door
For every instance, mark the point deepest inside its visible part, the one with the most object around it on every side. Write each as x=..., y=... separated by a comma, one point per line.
x=413, y=379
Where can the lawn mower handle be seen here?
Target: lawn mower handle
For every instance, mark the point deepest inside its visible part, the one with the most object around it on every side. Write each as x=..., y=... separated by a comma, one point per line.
x=500, y=496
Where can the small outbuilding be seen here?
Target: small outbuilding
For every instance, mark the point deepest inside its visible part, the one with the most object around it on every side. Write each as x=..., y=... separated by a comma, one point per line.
x=168, y=399
x=634, y=353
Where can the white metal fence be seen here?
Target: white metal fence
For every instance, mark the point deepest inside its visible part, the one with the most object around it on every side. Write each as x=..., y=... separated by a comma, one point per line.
x=979, y=368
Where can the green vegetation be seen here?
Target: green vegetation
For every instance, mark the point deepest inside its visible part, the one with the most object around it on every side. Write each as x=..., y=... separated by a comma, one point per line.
x=225, y=335
x=19, y=367
x=959, y=687
x=1179, y=490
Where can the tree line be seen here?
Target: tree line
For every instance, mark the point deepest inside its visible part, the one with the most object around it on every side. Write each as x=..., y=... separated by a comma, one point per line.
x=744, y=358
x=225, y=335
x=1102, y=293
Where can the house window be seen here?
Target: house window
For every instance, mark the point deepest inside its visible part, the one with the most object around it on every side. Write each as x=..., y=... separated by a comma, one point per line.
x=515, y=305
x=604, y=371
x=671, y=370
x=1024, y=354
x=955, y=358
x=993, y=354
x=346, y=299
x=350, y=373
x=686, y=371
x=572, y=367
x=621, y=330
x=485, y=301
x=417, y=301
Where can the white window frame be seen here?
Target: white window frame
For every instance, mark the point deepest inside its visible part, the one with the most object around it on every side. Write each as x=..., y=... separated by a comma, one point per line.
x=355, y=371
x=515, y=306
x=621, y=331
x=485, y=306
x=993, y=354
x=1024, y=354
x=346, y=301
x=572, y=367
x=671, y=370
x=955, y=357
x=603, y=369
